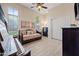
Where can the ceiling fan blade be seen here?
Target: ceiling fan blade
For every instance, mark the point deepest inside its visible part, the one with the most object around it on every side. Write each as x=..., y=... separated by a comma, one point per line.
x=40, y=3
x=44, y=7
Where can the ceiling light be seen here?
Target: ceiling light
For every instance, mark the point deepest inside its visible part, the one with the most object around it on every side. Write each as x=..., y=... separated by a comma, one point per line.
x=39, y=6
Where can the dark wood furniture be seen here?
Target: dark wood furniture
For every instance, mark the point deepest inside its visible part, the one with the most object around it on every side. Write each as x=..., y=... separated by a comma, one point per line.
x=38, y=32
x=45, y=31
x=70, y=41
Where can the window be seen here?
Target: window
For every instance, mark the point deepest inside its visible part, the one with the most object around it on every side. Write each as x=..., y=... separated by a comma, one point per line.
x=13, y=21
x=37, y=24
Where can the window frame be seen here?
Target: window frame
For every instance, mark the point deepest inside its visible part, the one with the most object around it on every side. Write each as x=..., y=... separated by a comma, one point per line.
x=17, y=20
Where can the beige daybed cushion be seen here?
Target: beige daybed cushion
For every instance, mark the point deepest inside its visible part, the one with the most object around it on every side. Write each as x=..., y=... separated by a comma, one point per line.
x=31, y=36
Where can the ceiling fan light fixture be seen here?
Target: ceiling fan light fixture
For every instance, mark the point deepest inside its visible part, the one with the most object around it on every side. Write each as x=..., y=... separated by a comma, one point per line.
x=39, y=8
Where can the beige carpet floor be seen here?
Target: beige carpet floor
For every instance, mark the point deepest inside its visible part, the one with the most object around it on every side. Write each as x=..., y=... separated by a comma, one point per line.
x=45, y=47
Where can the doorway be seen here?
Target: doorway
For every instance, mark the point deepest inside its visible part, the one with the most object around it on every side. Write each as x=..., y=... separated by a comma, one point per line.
x=56, y=25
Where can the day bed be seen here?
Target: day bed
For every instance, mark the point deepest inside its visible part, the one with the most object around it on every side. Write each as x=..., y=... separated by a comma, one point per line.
x=26, y=36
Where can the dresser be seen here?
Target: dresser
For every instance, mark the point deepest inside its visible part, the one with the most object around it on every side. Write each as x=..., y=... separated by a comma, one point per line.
x=70, y=45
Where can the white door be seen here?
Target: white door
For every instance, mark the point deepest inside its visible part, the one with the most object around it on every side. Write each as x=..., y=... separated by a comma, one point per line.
x=57, y=25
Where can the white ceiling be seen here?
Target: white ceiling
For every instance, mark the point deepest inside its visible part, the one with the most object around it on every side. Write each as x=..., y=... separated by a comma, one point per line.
x=42, y=11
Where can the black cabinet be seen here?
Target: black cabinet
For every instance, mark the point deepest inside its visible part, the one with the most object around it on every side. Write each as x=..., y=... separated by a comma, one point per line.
x=45, y=31
x=70, y=44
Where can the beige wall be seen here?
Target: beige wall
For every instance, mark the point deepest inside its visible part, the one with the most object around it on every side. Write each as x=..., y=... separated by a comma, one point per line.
x=63, y=10
x=24, y=12
x=44, y=21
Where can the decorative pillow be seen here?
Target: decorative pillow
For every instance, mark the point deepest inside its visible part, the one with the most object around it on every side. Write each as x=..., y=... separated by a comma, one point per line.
x=23, y=32
x=34, y=31
x=29, y=32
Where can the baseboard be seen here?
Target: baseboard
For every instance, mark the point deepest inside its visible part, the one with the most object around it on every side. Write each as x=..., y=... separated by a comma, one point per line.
x=57, y=39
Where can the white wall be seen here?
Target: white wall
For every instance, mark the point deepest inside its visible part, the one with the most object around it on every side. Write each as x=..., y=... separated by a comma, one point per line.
x=62, y=16
x=50, y=28
x=57, y=26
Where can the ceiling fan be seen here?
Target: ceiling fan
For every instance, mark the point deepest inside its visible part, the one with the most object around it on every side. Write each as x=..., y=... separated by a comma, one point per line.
x=39, y=6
